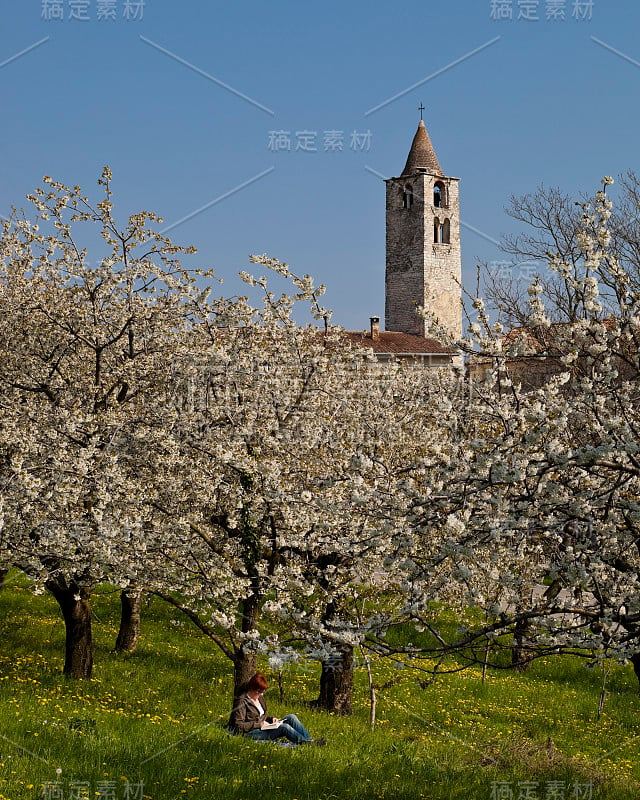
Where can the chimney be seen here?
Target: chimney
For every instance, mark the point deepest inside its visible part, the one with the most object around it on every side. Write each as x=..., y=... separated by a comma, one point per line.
x=375, y=328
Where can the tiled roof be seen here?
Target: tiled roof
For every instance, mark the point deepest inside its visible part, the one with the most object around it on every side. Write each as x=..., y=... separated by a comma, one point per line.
x=396, y=343
x=543, y=338
x=422, y=155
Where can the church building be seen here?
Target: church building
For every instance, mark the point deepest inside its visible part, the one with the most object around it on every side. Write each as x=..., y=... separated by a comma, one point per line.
x=423, y=261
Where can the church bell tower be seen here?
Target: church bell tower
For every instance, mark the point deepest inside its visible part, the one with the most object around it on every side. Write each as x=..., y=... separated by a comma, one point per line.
x=423, y=266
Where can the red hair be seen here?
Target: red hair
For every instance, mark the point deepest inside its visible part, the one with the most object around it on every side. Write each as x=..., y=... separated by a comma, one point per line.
x=257, y=683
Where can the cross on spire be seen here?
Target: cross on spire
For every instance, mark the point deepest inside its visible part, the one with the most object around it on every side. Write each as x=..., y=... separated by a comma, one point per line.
x=420, y=109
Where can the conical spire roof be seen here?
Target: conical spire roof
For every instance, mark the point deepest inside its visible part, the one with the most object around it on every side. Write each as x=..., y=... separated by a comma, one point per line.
x=422, y=155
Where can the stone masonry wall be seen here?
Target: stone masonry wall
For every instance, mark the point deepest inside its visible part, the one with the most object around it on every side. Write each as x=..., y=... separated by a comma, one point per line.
x=419, y=271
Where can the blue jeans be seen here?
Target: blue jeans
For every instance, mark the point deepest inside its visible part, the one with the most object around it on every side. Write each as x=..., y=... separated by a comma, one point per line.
x=290, y=728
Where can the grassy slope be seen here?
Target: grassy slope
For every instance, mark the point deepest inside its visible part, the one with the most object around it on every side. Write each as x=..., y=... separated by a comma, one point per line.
x=155, y=721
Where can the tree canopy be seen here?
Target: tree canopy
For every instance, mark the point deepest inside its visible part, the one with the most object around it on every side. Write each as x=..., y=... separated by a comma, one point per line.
x=291, y=495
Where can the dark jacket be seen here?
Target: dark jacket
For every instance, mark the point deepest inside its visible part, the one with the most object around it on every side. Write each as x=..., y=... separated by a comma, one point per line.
x=245, y=717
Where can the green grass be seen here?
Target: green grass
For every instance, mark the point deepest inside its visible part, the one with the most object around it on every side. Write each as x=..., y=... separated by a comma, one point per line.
x=154, y=721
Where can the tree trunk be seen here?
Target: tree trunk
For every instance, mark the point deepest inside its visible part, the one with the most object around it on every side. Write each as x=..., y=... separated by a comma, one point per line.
x=244, y=667
x=244, y=661
x=336, y=684
x=130, y=602
x=635, y=660
x=3, y=575
x=522, y=647
x=74, y=602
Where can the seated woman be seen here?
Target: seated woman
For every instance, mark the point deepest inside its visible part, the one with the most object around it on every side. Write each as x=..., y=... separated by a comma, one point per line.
x=249, y=716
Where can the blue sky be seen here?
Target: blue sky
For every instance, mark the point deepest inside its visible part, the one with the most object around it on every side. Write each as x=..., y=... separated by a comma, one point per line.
x=191, y=102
